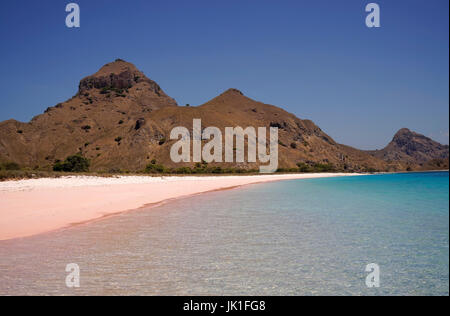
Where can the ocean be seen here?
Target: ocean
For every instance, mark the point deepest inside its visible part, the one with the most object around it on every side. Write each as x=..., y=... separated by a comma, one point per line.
x=294, y=237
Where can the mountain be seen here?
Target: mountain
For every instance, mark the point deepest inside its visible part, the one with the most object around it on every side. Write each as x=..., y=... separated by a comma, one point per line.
x=415, y=150
x=112, y=103
x=121, y=120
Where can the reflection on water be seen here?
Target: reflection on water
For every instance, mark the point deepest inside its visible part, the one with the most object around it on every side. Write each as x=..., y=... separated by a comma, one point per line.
x=301, y=237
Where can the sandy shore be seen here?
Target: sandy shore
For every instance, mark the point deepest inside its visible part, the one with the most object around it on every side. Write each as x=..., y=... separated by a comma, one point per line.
x=35, y=206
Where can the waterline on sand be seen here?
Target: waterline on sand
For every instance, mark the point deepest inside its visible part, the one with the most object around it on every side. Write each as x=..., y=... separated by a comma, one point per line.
x=31, y=207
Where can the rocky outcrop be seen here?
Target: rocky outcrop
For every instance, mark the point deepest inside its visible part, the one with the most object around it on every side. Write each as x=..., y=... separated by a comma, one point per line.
x=124, y=80
x=119, y=76
x=412, y=148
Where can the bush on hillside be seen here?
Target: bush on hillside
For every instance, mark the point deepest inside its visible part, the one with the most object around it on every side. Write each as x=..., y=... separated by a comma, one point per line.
x=154, y=168
x=9, y=166
x=75, y=163
x=303, y=167
x=320, y=167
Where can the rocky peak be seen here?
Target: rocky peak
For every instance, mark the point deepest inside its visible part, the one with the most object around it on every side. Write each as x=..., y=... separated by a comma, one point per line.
x=117, y=75
x=410, y=146
x=410, y=140
x=403, y=131
x=404, y=136
x=116, y=67
x=233, y=91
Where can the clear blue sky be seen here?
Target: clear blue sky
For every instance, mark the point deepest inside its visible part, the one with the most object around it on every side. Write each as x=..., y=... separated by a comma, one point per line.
x=316, y=59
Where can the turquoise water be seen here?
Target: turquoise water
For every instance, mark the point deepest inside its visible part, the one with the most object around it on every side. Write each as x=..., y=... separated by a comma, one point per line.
x=299, y=237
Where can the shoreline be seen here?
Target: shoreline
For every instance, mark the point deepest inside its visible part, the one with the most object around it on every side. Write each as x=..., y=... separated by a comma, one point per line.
x=37, y=206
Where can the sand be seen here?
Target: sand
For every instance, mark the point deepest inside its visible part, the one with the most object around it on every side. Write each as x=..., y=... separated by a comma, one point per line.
x=30, y=207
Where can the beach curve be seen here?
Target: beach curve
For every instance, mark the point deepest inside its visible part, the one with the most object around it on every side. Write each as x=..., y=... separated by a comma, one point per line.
x=31, y=207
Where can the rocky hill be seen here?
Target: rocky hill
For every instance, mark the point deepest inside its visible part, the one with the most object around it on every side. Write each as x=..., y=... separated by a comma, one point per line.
x=121, y=120
x=415, y=150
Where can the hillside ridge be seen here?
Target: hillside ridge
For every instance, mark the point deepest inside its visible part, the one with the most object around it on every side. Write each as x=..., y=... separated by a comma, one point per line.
x=121, y=121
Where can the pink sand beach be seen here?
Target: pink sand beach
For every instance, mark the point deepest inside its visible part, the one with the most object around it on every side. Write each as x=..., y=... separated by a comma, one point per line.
x=30, y=207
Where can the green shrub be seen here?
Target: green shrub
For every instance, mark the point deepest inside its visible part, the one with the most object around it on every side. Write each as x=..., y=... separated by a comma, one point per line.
x=183, y=170
x=162, y=141
x=303, y=167
x=198, y=170
x=75, y=163
x=9, y=166
x=293, y=145
x=217, y=170
x=320, y=167
x=154, y=168
x=58, y=166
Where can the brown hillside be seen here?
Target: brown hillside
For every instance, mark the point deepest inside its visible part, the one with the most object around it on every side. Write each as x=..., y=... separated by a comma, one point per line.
x=416, y=150
x=121, y=120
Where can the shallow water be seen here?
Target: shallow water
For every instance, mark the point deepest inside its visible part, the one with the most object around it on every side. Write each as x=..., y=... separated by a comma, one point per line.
x=297, y=237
